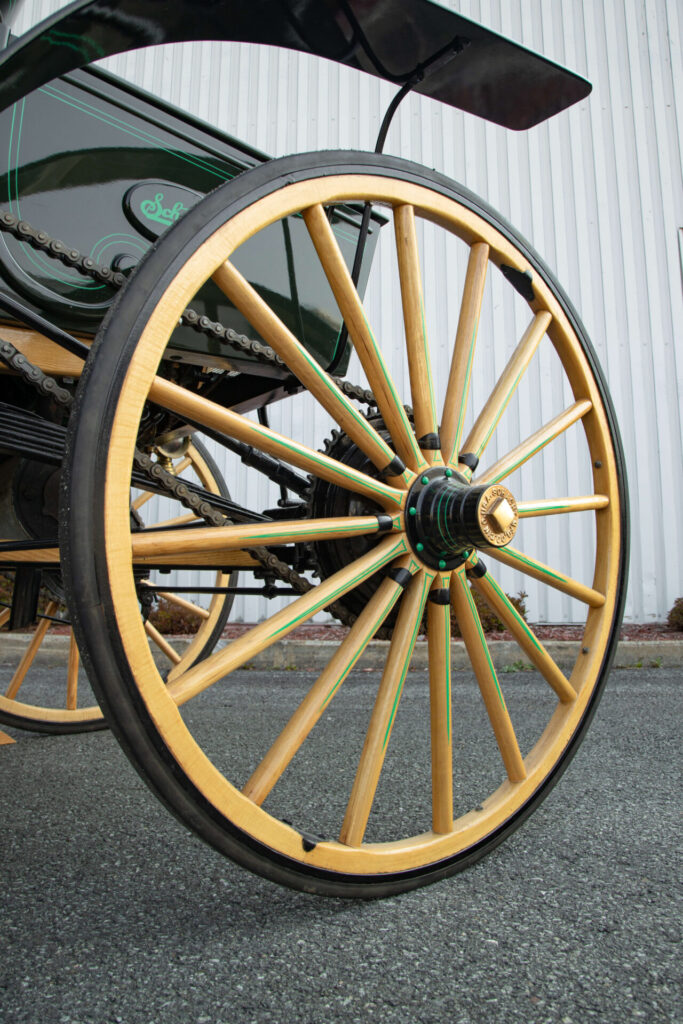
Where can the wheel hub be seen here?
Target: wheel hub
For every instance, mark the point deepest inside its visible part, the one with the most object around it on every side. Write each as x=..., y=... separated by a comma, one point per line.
x=445, y=516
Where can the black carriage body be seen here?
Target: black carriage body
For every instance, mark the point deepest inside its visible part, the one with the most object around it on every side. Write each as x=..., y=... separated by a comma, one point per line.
x=106, y=168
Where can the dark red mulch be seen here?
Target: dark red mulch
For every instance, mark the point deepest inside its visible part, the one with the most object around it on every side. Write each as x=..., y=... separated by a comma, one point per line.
x=630, y=631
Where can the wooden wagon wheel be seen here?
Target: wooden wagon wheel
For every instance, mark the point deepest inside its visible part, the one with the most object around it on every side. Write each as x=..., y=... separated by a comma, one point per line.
x=23, y=706
x=422, y=512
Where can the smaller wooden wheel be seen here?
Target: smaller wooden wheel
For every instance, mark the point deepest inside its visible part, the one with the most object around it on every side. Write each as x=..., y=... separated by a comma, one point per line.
x=29, y=702
x=420, y=511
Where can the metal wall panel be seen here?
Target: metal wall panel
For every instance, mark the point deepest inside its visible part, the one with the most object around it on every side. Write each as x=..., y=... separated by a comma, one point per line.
x=597, y=190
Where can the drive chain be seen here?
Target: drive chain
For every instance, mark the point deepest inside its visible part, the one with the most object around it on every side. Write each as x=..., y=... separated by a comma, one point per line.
x=48, y=387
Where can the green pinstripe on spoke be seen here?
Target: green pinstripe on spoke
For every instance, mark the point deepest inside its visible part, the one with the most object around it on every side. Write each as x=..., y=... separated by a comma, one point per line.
x=379, y=619
x=595, y=503
x=518, y=618
x=204, y=675
x=477, y=621
x=500, y=412
x=425, y=346
x=536, y=566
x=529, y=507
x=521, y=454
x=412, y=442
x=426, y=584
x=342, y=589
x=466, y=389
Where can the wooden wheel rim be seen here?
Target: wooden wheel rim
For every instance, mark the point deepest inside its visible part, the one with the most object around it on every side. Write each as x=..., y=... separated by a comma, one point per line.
x=507, y=801
x=21, y=714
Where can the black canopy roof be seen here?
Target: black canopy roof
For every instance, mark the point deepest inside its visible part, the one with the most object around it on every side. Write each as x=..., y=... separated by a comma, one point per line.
x=475, y=69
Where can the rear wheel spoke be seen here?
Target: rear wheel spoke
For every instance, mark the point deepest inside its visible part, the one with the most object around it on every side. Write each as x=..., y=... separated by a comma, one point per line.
x=162, y=643
x=72, y=675
x=31, y=651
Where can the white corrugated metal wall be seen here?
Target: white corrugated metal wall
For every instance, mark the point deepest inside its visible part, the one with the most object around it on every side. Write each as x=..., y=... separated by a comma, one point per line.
x=597, y=190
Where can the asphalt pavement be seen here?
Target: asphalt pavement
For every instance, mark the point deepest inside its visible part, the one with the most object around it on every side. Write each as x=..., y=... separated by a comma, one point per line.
x=113, y=912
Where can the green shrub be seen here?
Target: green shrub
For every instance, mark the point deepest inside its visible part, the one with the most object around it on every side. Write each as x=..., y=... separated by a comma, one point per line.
x=675, y=617
x=171, y=619
x=490, y=622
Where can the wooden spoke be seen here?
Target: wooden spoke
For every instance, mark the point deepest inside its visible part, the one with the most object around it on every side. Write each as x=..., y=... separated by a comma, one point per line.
x=439, y=640
x=158, y=544
x=326, y=687
x=31, y=651
x=384, y=712
x=183, y=520
x=498, y=600
x=530, y=567
x=535, y=443
x=217, y=665
x=559, y=506
x=458, y=386
x=303, y=365
x=44, y=556
x=142, y=499
x=477, y=649
x=209, y=414
x=161, y=642
x=372, y=360
x=480, y=434
x=4, y=616
x=417, y=346
x=182, y=465
x=72, y=675
x=181, y=602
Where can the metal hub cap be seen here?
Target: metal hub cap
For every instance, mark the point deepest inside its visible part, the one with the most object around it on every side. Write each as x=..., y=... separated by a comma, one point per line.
x=446, y=516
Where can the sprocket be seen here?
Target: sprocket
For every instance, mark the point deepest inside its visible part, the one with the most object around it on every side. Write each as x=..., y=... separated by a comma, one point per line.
x=328, y=500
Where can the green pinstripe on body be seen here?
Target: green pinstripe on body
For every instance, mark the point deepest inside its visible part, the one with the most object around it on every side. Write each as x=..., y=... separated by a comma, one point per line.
x=135, y=132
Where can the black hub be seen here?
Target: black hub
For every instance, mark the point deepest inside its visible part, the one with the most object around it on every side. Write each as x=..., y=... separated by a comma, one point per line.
x=446, y=517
